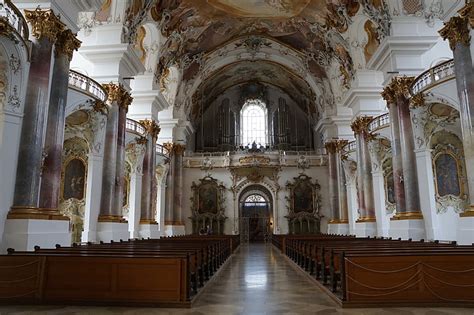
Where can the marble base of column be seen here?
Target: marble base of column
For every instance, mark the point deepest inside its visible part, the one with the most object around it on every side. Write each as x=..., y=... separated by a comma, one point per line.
x=25, y=234
x=340, y=228
x=171, y=230
x=413, y=228
x=150, y=230
x=465, y=230
x=35, y=213
x=365, y=228
x=112, y=231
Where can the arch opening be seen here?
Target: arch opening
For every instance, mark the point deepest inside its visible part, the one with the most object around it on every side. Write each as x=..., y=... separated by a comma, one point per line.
x=255, y=214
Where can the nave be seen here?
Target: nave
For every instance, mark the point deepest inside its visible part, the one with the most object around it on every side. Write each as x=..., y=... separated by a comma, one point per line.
x=257, y=279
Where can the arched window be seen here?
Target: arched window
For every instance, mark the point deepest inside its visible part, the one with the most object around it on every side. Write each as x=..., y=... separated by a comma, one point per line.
x=254, y=122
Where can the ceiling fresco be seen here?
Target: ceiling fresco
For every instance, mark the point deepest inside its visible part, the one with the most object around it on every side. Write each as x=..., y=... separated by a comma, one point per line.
x=314, y=30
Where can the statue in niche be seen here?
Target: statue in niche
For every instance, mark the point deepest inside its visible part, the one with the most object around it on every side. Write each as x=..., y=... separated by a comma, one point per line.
x=74, y=180
x=447, y=175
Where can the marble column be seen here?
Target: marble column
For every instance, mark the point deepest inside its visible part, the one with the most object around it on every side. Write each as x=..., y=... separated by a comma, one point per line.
x=112, y=226
x=408, y=220
x=31, y=158
x=54, y=138
x=148, y=181
x=366, y=223
x=338, y=222
x=29, y=222
x=458, y=31
x=173, y=217
x=148, y=225
x=398, y=186
x=364, y=169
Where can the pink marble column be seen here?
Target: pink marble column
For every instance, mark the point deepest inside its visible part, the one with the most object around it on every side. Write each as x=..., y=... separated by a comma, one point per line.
x=53, y=146
x=46, y=29
x=178, y=151
x=333, y=149
x=364, y=169
x=148, y=180
x=114, y=154
x=459, y=30
x=400, y=115
x=399, y=188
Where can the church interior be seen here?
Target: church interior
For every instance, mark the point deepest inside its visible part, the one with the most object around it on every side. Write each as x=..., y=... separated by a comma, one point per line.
x=236, y=156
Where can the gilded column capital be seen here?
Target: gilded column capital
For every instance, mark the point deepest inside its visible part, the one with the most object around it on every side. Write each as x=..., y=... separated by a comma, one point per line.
x=168, y=146
x=151, y=127
x=468, y=12
x=44, y=24
x=336, y=145
x=417, y=100
x=456, y=31
x=361, y=125
x=401, y=86
x=388, y=94
x=66, y=43
x=117, y=93
x=178, y=148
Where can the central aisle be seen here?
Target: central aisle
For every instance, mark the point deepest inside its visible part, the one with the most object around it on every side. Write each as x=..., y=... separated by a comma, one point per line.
x=258, y=280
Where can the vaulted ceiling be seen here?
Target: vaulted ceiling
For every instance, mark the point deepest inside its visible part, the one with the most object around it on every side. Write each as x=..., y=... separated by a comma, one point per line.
x=308, y=34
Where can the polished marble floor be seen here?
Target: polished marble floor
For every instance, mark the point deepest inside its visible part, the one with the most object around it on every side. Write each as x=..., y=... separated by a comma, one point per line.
x=256, y=280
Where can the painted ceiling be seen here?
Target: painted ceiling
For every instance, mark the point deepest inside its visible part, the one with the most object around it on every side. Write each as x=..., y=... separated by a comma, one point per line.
x=314, y=29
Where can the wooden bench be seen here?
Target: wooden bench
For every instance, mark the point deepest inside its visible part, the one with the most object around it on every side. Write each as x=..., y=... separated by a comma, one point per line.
x=155, y=272
x=364, y=272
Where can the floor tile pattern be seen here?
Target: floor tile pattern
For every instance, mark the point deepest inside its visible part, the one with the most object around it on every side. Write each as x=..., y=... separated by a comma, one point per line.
x=256, y=280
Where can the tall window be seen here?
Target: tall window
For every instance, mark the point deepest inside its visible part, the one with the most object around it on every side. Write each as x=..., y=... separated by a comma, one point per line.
x=254, y=122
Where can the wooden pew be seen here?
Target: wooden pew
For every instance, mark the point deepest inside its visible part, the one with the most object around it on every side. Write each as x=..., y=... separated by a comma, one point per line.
x=363, y=272
x=154, y=272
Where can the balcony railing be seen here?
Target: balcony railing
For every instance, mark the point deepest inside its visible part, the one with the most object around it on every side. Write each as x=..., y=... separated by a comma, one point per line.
x=350, y=147
x=432, y=77
x=161, y=150
x=84, y=83
x=14, y=18
x=379, y=122
x=135, y=127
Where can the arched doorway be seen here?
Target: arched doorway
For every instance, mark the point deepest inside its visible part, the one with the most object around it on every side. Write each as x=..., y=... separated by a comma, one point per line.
x=256, y=214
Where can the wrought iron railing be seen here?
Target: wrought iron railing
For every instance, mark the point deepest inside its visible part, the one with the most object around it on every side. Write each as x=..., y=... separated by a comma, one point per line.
x=161, y=150
x=84, y=83
x=432, y=77
x=135, y=127
x=379, y=122
x=10, y=13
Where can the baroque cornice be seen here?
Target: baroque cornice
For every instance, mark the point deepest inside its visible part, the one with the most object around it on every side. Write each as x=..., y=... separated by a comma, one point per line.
x=45, y=24
x=456, y=31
